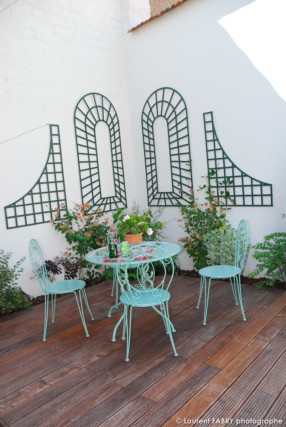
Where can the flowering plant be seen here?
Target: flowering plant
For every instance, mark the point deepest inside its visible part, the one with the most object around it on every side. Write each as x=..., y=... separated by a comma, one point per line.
x=136, y=222
x=200, y=219
x=84, y=229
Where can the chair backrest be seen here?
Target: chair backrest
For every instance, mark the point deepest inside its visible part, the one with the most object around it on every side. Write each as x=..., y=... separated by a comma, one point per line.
x=146, y=271
x=242, y=244
x=38, y=263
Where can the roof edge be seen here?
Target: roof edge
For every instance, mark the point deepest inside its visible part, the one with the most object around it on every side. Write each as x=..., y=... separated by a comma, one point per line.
x=152, y=18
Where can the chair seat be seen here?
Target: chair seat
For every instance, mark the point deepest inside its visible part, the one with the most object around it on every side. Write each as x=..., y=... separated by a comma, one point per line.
x=145, y=298
x=64, y=286
x=220, y=271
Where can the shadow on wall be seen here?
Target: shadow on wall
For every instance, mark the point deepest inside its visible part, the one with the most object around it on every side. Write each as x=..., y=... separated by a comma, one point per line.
x=263, y=41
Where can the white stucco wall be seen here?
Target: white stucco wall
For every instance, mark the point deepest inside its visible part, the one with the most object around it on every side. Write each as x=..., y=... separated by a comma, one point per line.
x=138, y=11
x=53, y=53
x=194, y=50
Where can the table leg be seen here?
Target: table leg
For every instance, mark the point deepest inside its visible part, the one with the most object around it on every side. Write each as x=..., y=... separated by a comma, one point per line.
x=115, y=286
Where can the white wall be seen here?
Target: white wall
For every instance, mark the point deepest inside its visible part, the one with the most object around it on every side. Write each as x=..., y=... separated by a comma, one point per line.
x=189, y=50
x=53, y=53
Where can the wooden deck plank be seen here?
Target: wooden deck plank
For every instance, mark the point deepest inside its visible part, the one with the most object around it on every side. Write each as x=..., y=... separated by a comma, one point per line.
x=240, y=390
x=31, y=406
x=278, y=409
x=204, y=344
x=275, y=380
x=179, y=396
x=247, y=334
x=200, y=405
x=70, y=406
x=256, y=406
x=228, y=368
x=30, y=391
x=139, y=407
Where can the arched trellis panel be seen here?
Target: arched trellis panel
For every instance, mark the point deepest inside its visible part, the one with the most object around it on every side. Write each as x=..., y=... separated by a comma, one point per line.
x=47, y=194
x=167, y=104
x=91, y=110
x=227, y=178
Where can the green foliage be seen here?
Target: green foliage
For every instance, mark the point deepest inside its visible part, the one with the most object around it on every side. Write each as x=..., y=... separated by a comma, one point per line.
x=271, y=259
x=107, y=273
x=69, y=266
x=83, y=229
x=11, y=296
x=200, y=219
x=136, y=222
x=220, y=245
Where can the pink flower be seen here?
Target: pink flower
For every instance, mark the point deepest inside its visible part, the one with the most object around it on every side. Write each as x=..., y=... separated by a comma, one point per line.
x=126, y=218
x=150, y=231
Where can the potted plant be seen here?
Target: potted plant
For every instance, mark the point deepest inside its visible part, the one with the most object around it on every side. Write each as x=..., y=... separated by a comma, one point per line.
x=134, y=226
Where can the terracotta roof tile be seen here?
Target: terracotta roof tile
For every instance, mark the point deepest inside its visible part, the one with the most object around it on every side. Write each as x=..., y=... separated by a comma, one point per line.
x=178, y=3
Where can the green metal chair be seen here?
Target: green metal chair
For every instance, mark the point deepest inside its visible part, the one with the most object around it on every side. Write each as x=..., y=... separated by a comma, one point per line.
x=232, y=272
x=52, y=289
x=141, y=287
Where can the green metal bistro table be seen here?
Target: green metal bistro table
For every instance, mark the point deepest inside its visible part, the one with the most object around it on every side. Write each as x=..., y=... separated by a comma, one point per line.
x=159, y=251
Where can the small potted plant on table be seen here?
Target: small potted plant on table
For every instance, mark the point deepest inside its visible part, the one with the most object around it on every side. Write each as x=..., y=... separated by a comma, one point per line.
x=135, y=226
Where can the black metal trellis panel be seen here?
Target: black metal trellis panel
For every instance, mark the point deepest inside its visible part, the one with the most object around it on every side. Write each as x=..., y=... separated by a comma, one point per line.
x=38, y=204
x=90, y=110
x=168, y=104
x=226, y=177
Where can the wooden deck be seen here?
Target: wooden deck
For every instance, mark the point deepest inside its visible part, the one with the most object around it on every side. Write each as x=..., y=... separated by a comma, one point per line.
x=228, y=369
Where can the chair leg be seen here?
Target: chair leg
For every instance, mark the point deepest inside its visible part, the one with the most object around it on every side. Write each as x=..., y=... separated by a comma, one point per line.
x=80, y=309
x=239, y=295
x=54, y=303
x=87, y=304
x=164, y=313
x=160, y=312
x=169, y=326
x=234, y=289
x=46, y=316
x=128, y=330
x=168, y=315
x=122, y=319
x=207, y=286
x=114, y=283
x=201, y=291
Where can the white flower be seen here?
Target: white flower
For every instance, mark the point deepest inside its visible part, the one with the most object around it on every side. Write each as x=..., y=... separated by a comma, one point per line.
x=150, y=231
x=126, y=218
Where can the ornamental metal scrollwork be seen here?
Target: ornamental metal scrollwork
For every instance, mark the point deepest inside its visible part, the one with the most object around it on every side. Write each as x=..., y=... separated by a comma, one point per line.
x=168, y=104
x=225, y=178
x=92, y=109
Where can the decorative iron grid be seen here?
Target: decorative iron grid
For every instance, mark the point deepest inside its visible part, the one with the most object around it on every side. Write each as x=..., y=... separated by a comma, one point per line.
x=90, y=110
x=225, y=178
x=169, y=104
x=48, y=194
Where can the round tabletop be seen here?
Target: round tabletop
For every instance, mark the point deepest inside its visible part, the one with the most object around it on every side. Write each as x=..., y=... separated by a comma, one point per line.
x=160, y=250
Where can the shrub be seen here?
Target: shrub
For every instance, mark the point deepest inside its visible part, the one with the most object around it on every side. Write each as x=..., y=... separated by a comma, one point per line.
x=84, y=229
x=220, y=245
x=271, y=260
x=200, y=219
x=68, y=266
x=12, y=298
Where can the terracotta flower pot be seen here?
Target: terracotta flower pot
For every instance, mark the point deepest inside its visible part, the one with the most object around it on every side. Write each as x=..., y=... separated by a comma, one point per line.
x=133, y=239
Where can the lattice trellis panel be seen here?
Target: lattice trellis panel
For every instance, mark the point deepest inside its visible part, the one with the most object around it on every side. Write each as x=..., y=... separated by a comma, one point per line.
x=90, y=110
x=168, y=104
x=38, y=204
x=226, y=177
